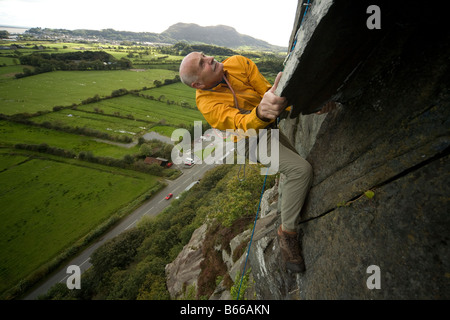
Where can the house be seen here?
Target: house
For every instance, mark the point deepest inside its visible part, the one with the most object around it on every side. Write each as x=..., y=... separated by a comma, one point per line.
x=161, y=161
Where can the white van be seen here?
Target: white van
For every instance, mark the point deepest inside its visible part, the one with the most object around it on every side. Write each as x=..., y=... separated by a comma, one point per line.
x=189, y=161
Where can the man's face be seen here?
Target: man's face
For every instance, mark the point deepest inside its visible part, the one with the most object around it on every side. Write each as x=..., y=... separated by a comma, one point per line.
x=207, y=69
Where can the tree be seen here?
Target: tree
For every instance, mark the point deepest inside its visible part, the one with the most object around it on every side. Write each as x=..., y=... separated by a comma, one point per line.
x=128, y=159
x=118, y=252
x=124, y=63
x=145, y=149
x=4, y=34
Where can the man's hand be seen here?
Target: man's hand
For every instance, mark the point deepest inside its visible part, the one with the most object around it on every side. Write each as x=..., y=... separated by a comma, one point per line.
x=271, y=105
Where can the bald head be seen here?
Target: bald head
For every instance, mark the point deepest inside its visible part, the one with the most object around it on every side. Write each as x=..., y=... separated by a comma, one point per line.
x=200, y=71
x=188, y=72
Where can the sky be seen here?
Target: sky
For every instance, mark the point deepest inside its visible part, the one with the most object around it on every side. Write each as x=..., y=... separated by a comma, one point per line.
x=267, y=20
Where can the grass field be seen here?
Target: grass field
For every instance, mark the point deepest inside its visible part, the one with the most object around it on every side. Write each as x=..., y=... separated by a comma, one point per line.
x=8, y=72
x=14, y=133
x=178, y=92
x=148, y=110
x=49, y=202
x=103, y=115
x=64, y=88
x=111, y=125
x=48, y=205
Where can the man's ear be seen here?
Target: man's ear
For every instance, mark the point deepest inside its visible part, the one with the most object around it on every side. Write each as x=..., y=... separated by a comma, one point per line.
x=197, y=85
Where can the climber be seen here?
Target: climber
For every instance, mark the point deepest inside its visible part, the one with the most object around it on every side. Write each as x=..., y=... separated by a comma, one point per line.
x=234, y=95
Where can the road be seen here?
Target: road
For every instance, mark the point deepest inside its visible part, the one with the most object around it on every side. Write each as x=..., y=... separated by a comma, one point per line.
x=151, y=208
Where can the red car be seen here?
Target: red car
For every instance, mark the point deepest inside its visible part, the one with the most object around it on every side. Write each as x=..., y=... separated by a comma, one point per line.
x=170, y=195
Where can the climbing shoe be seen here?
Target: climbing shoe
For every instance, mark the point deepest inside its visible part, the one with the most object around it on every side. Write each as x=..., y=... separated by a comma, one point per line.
x=290, y=251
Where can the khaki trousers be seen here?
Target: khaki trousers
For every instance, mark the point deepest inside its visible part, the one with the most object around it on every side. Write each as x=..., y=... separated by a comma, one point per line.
x=298, y=176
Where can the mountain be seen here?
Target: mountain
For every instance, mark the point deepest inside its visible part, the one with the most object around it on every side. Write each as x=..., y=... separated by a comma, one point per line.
x=219, y=35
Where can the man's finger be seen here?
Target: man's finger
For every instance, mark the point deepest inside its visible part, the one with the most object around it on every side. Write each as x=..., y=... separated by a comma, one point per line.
x=275, y=85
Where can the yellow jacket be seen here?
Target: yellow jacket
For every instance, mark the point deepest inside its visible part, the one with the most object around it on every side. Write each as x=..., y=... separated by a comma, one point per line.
x=218, y=106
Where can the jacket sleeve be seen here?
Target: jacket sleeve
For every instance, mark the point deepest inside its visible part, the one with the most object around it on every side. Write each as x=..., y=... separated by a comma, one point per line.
x=222, y=116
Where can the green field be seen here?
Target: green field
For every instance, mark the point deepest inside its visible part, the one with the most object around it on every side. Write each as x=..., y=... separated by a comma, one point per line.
x=132, y=115
x=64, y=88
x=178, y=92
x=147, y=110
x=48, y=205
x=152, y=111
x=14, y=133
x=111, y=125
x=9, y=71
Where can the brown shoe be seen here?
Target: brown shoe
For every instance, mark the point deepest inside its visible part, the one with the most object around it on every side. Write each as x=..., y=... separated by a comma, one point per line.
x=290, y=251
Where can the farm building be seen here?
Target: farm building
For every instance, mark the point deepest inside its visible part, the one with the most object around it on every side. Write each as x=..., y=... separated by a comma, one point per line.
x=161, y=161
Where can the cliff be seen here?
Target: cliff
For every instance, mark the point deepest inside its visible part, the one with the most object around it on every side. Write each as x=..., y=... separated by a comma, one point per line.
x=380, y=195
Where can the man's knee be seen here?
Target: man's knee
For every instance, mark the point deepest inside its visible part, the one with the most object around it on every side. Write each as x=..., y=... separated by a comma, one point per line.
x=303, y=171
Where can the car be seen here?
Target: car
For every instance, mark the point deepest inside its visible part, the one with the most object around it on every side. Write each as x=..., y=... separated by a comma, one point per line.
x=170, y=195
x=189, y=161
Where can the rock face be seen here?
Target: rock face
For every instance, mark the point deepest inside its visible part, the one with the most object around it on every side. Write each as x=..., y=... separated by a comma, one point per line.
x=380, y=195
x=390, y=137
x=183, y=272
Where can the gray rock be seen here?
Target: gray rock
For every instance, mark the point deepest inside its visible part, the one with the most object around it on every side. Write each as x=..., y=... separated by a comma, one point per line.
x=403, y=230
x=391, y=136
x=185, y=269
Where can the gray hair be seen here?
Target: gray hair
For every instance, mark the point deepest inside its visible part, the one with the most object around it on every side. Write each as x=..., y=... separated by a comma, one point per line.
x=187, y=76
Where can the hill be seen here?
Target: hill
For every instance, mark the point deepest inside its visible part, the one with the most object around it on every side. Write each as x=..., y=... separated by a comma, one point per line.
x=220, y=35
x=192, y=33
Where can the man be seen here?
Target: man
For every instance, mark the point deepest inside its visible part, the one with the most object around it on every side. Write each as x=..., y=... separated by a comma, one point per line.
x=234, y=95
